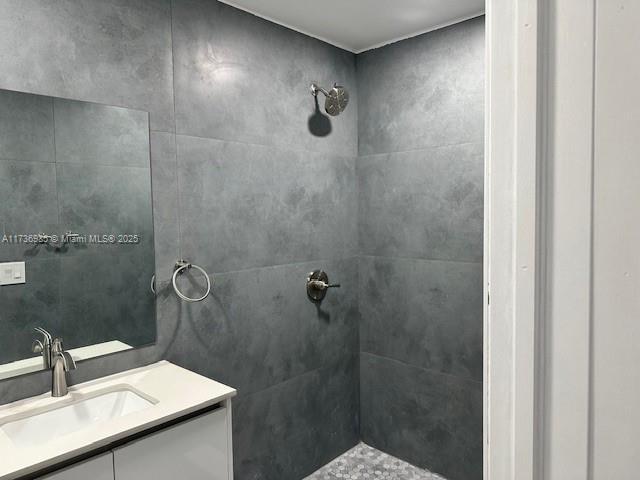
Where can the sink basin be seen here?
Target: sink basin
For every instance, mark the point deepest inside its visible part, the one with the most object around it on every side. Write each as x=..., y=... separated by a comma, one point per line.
x=44, y=426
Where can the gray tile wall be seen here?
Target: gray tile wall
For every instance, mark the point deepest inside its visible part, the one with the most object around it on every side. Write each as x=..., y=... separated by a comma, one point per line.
x=240, y=186
x=420, y=179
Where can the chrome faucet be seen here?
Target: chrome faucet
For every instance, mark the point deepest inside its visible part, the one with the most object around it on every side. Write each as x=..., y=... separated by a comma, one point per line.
x=43, y=347
x=61, y=363
x=54, y=357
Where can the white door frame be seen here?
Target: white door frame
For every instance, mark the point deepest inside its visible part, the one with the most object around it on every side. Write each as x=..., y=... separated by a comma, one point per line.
x=538, y=226
x=512, y=239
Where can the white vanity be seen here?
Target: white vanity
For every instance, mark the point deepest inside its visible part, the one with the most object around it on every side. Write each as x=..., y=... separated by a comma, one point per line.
x=158, y=422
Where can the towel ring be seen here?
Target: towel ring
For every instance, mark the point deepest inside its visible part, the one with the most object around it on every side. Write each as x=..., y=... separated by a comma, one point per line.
x=181, y=267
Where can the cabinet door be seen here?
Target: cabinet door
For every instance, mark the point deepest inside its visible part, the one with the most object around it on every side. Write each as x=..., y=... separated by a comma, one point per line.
x=97, y=468
x=196, y=450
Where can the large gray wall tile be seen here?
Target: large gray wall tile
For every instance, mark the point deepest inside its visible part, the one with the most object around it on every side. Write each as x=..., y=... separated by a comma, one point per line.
x=423, y=92
x=241, y=78
x=258, y=328
x=245, y=206
x=424, y=203
x=288, y=431
x=94, y=134
x=425, y=313
x=115, y=52
x=26, y=127
x=104, y=200
x=106, y=296
x=28, y=196
x=429, y=419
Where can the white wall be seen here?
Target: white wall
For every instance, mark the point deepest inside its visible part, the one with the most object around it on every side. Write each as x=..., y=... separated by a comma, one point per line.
x=616, y=243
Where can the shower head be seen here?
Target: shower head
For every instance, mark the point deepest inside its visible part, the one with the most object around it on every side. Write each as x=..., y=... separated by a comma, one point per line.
x=336, y=100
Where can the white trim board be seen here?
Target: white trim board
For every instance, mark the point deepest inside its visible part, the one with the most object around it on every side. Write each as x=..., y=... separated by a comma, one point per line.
x=512, y=246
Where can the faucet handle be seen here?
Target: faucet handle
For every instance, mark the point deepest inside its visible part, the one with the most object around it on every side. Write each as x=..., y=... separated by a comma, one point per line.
x=37, y=347
x=67, y=360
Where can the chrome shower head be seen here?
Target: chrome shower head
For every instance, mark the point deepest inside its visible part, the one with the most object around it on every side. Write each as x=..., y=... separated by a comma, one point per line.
x=336, y=100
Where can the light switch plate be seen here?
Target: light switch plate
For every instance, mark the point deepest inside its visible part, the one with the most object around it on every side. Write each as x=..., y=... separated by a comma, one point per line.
x=12, y=273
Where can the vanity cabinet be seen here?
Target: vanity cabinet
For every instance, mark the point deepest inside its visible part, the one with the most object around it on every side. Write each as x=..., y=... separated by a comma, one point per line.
x=97, y=468
x=196, y=449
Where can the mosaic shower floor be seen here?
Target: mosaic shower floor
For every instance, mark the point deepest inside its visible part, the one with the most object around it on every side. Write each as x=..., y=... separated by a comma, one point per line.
x=363, y=462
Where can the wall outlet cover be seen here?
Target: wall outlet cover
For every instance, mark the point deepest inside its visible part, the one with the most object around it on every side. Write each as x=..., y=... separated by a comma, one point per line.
x=12, y=273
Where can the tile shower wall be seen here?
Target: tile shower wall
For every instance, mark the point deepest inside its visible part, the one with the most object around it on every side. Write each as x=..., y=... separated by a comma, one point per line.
x=420, y=177
x=240, y=186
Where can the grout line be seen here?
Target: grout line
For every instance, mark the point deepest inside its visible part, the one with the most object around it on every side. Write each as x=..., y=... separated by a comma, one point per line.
x=78, y=164
x=156, y=130
x=59, y=320
x=280, y=265
x=423, y=259
x=289, y=147
x=175, y=134
x=342, y=357
x=55, y=157
x=333, y=260
x=22, y=160
x=420, y=149
x=102, y=165
x=428, y=370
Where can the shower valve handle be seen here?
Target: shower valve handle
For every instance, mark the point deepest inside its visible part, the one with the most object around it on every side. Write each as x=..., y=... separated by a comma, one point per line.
x=318, y=284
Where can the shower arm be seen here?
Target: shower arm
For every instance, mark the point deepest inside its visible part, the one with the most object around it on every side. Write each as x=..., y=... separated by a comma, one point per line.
x=315, y=89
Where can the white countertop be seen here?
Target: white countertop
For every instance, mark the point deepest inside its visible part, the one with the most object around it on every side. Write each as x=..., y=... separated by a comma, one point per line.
x=177, y=391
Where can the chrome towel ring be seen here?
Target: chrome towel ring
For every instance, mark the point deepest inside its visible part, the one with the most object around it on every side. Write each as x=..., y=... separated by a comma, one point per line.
x=182, y=266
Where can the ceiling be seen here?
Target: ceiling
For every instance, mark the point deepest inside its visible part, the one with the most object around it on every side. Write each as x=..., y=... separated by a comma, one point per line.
x=359, y=25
